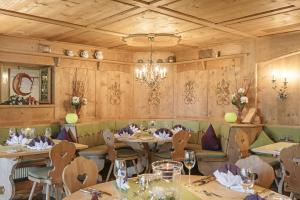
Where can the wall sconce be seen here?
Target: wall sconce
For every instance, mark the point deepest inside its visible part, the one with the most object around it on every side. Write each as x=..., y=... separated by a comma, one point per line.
x=281, y=90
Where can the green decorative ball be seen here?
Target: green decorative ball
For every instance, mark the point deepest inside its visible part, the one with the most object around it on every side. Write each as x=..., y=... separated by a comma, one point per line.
x=230, y=117
x=71, y=118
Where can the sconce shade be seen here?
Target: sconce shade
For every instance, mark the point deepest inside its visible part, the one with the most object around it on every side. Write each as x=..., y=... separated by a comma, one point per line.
x=230, y=117
x=71, y=118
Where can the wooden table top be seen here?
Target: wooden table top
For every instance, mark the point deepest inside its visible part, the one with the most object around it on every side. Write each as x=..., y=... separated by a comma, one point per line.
x=219, y=192
x=22, y=151
x=273, y=149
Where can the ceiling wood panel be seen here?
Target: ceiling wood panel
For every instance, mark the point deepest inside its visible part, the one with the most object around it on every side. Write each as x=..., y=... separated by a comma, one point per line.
x=218, y=11
x=150, y=22
x=279, y=23
x=200, y=23
x=75, y=11
x=22, y=27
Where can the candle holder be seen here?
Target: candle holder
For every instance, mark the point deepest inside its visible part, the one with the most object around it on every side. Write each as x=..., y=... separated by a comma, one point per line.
x=281, y=90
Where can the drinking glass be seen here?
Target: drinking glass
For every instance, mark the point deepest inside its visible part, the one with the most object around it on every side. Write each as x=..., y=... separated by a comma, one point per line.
x=11, y=131
x=189, y=162
x=247, y=179
x=48, y=132
x=120, y=170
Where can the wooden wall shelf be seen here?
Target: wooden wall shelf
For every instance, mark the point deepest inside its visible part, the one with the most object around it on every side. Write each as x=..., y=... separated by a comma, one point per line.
x=28, y=106
x=120, y=62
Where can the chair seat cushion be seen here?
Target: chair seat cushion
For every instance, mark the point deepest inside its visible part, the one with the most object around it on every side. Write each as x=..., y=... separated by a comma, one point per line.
x=210, y=154
x=164, y=155
x=39, y=172
x=99, y=150
x=125, y=153
x=194, y=147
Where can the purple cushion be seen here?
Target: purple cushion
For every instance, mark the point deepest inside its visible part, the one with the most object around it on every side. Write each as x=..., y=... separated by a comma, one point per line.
x=210, y=141
x=65, y=135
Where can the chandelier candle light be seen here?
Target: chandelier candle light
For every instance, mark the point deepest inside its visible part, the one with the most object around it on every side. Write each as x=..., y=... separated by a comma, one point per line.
x=151, y=73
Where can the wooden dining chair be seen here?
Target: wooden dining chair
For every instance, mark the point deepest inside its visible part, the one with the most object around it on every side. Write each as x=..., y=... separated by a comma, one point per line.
x=290, y=158
x=242, y=141
x=179, y=142
x=113, y=153
x=264, y=171
x=80, y=173
x=60, y=155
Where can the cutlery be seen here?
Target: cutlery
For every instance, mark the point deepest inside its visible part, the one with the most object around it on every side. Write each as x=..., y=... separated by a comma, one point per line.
x=211, y=194
x=99, y=192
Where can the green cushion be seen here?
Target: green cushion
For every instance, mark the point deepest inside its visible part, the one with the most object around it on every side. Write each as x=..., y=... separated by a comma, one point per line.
x=164, y=155
x=276, y=132
x=194, y=147
x=210, y=154
x=39, y=172
x=99, y=150
x=262, y=140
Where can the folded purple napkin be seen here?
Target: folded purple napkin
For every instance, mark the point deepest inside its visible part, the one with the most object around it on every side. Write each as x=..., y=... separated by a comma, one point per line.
x=163, y=133
x=179, y=126
x=39, y=139
x=253, y=197
x=125, y=131
x=235, y=170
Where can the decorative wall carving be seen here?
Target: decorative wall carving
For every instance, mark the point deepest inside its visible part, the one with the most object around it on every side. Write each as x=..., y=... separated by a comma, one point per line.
x=154, y=96
x=189, y=92
x=115, y=94
x=223, y=92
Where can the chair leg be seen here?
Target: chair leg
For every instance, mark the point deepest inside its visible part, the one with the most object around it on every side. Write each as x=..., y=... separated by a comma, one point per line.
x=47, y=192
x=135, y=167
x=56, y=192
x=32, y=190
x=109, y=171
x=292, y=195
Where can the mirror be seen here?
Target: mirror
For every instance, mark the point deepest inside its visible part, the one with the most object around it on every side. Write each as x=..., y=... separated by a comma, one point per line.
x=23, y=84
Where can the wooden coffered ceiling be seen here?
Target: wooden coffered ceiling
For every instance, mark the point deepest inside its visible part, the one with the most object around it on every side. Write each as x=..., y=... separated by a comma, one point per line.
x=105, y=22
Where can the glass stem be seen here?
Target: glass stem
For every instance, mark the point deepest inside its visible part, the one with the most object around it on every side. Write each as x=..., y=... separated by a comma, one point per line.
x=189, y=176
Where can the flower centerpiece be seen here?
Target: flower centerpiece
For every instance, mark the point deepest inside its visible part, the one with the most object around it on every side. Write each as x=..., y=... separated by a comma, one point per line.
x=79, y=89
x=239, y=99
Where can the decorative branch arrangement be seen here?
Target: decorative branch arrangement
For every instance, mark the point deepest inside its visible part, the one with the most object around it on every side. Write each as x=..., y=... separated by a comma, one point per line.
x=78, y=93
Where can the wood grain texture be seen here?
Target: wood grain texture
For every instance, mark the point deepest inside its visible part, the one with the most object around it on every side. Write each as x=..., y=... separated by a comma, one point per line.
x=78, y=167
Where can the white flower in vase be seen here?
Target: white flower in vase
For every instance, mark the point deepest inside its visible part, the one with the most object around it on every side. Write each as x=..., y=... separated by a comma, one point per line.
x=75, y=100
x=84, y=101
x=244, y=100
x=241, y=91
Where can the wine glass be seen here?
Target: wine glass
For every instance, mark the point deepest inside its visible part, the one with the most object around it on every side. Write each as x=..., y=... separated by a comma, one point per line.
x=247, y=177
x=32, y=133
x=48, y=132
x=189, y=162
x=120, y=170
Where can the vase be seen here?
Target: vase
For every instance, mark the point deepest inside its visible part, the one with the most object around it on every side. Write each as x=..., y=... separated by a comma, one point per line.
x=78, y=112
x=239, y=116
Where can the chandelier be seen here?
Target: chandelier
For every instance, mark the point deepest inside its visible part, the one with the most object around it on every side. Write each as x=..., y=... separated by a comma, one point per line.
x=150, y=74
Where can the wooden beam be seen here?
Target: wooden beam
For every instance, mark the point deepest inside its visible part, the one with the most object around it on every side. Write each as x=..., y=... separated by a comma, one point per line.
x=56, y=22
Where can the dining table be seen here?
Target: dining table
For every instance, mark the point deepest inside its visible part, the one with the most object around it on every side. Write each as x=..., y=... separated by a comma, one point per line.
x=199, y=190
x=274, y=150
x=145, y=139
x=10, y=156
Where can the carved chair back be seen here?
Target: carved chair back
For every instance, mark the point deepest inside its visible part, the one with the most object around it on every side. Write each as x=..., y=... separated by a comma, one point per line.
x=179, y=142
x=290, y=157
x=60, y=155
x=80, y=173
x=264, y=171
x=110, y=142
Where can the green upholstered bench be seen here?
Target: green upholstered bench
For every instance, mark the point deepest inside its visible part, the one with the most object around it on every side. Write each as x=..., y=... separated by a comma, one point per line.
x=277, y=132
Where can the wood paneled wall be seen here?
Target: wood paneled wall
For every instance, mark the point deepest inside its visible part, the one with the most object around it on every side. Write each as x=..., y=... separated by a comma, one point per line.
x=192, y=90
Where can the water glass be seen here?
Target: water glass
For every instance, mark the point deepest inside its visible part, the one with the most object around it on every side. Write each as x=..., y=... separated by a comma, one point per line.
x=248, y=178
x=48, y=132
x=11, y=131
x=120, y=170
x=189, y=162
